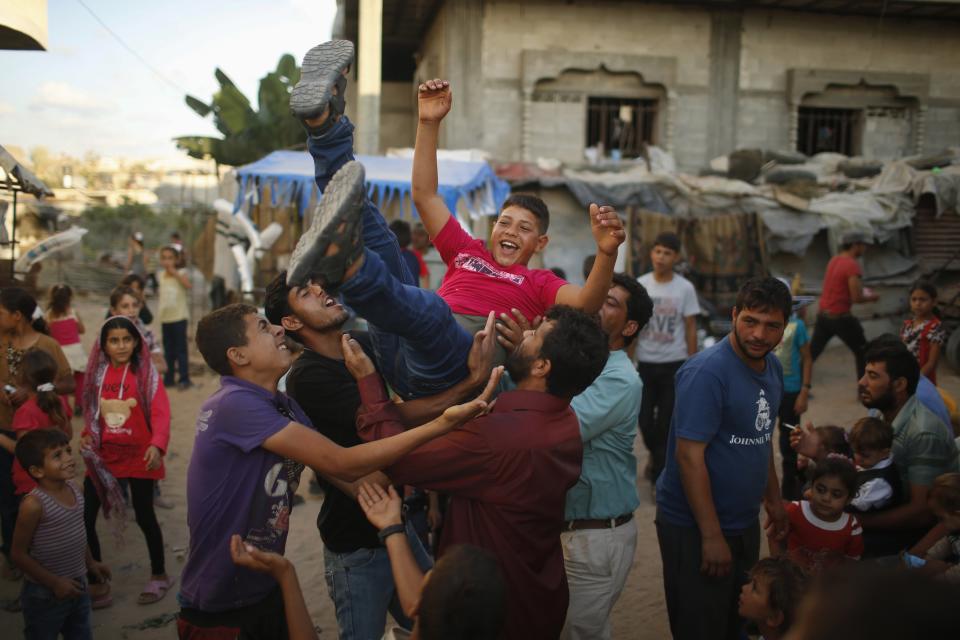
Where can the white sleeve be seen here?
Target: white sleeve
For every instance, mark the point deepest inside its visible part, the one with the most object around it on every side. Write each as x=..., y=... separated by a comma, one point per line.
x=873, y=494
x=691, y=306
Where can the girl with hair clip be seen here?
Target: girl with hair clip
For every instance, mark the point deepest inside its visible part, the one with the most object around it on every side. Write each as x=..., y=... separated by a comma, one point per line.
x=22, y=328
x=126, y=431
x=65, y=328
x=43, y=409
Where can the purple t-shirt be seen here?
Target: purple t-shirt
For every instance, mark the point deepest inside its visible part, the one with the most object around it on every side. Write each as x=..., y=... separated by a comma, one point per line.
x=236, y=486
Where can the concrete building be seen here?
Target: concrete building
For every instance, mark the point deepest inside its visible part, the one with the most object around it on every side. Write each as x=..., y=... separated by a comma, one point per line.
x=539, y=79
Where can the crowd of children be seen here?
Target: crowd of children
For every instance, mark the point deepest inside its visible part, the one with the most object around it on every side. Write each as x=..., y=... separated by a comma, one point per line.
x=500, y=564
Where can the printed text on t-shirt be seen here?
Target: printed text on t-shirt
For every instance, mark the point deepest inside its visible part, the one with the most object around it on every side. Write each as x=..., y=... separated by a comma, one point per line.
x=477, y=264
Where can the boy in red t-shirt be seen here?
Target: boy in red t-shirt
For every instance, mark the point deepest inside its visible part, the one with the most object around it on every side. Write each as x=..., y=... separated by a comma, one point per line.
x=420, y=345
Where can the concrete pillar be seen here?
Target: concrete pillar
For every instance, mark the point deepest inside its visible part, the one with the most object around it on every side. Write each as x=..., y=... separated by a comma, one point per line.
x=725, y=32
x=463, y=40
x=369, y=54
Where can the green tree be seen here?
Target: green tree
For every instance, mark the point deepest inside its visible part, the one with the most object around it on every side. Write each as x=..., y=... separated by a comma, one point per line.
x=248, y=135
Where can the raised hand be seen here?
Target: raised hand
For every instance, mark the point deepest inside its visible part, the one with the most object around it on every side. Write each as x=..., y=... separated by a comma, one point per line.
x=480, y=358
x=510, y=328
x=382, y=508
x=358, y=363
x=480, y=405
x=607, y=229
x=434, y=98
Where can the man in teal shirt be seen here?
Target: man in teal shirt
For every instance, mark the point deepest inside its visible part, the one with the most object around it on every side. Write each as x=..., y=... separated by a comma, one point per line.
x=600, y=535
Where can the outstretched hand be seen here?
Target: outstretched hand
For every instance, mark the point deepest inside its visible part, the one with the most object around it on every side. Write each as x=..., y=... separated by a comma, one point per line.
x=382, y=508
x=607, y=229
x=510, y=328
x=434, y=99
x=480, y=405
x=358, y=362
x=480, y=358
x=248, y=556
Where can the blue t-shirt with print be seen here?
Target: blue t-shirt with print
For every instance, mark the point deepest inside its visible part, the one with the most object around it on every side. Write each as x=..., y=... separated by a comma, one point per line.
x=788, y=353
x=725, y=403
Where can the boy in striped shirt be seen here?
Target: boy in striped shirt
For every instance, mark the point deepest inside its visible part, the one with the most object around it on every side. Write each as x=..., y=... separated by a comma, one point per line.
x=50, y=543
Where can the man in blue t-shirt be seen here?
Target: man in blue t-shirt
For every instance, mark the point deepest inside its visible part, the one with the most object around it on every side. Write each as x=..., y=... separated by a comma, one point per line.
x=719, y=467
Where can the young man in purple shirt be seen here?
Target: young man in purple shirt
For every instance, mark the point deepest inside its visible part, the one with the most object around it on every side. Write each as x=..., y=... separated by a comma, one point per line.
x=252, y=443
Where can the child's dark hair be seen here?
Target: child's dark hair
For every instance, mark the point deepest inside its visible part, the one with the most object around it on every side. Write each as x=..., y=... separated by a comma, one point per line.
x=787, y=584
x=119, y=292
x=668, y=239
x=401, y=229
x=834, y=440
x=871, y=434
x=533, y=204
x=465, y=597
x=122, y=322
x=33, y=446
x=945, y=492
x=221, y=330
x=924, y=285
x=61, y=295
x=15, y=299
x=840, y=467
x=132, y=278
x=38, y=368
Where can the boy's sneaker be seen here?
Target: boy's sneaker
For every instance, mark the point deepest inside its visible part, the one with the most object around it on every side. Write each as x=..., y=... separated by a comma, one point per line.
x=322, y=69
x=336, y=230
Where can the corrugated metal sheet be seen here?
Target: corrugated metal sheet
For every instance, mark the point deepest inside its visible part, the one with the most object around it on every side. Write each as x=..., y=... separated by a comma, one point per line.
x=936, y=240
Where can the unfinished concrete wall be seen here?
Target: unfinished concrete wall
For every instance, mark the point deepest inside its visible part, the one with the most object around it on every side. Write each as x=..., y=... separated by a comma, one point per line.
x=398, y=115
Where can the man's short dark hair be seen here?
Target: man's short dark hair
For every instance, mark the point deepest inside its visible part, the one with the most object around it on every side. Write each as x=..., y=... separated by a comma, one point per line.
x=33, y=446
x=401, y=229
x=533, y=204
x=787, y=584
x=668, y=239
x=765, y=294
x=221, y=330
x=465, y=597
x=588, y=265
x=276, y=299
x=576, y=348
x=897, y=360
x=639, y=304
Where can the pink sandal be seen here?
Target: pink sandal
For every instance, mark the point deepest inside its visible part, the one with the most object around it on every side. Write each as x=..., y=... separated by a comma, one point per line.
x=155, y=590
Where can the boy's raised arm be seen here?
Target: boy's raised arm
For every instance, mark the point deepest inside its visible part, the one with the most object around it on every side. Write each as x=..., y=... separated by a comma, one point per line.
x=609, y=234
x=434, y=98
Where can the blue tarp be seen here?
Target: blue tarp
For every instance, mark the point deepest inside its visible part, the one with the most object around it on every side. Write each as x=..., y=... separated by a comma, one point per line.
x=289, y=174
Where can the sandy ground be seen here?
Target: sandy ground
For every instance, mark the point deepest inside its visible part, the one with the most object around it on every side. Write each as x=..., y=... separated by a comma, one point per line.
x=640, y=612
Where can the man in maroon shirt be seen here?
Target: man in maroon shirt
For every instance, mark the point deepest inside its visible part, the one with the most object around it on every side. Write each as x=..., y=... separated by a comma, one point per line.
x=842, y=287
x=507, y=473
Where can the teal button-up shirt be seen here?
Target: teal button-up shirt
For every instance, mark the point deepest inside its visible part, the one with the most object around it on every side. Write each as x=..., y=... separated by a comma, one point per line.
x=923, y=447
x=608, y=412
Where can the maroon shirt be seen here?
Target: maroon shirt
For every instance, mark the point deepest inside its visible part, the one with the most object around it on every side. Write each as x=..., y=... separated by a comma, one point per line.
x=507, y=475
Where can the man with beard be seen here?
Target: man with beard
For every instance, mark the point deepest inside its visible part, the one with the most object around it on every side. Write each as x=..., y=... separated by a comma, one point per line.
x=720, y=467
x=357, y=568
x=923, y=446
x=507, y=473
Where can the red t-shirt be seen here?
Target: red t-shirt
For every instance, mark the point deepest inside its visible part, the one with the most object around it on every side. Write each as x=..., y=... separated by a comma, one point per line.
x=124, y=432
x=30, y=417
x=475, y=284
x=835, y=298
x=816, y=544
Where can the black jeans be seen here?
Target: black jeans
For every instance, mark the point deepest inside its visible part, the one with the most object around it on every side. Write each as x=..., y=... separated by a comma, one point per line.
x=9, y=503
x=700, y=607
x=848, y=328
x=141, y=491
x=791, y=482
x=175, y=351
x=656, y=409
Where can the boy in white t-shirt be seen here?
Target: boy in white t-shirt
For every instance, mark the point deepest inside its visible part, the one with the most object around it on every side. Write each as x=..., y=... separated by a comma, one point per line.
x=664, y=344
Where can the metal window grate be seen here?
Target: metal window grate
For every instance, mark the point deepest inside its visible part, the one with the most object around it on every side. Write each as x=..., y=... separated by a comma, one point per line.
x=834, y=130
x=621, y=123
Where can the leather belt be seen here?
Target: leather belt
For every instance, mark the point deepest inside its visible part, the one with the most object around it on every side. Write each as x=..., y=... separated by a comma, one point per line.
x=600, y=523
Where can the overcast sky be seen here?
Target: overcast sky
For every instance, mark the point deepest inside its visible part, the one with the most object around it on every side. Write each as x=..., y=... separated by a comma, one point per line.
x=88, y=93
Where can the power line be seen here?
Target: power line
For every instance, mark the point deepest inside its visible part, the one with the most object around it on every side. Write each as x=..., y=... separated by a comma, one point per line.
x=133, y=52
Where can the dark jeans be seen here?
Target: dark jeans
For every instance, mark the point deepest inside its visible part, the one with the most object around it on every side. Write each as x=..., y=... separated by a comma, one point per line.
x=175, y=351
x=700, y=607
x=264, y=620
x=848, y=328
x=791, y=481
x=419, y=347
x=9, y=503
x=46, y=618
x=656, y=409
x=141, y=491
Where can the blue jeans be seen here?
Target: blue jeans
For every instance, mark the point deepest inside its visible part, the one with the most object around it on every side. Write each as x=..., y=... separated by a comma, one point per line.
x=419, y=347
x=45, y=617
x=175, y=351
x=362, y=589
